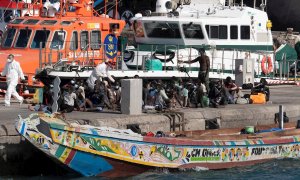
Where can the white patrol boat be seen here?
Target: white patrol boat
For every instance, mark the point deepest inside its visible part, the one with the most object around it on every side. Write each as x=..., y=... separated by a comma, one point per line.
x=179, y=28
x=175, y=32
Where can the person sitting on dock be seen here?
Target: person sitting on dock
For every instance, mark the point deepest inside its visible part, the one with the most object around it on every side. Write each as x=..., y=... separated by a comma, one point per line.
x=231, y=88
x=262, y=87
x=69, y=99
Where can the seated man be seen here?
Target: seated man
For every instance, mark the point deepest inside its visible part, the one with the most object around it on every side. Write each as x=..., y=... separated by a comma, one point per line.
x=262, y=88
x=230, y=89
x=69, y=99
x=216, y=94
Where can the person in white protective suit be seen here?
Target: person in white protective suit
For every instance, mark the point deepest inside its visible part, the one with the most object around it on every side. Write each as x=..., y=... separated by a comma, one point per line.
x=13, y=72
x=100, y=71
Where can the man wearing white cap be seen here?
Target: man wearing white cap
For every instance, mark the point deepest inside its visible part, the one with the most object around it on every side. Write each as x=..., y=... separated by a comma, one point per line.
x=100, y=71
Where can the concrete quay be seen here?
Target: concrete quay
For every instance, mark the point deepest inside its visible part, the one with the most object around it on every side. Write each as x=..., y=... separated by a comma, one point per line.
x=14, y=148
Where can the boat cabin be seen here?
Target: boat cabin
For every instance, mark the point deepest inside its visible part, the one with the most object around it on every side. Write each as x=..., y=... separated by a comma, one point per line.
x=74, y=34
x=12, y=9
x=204, y=24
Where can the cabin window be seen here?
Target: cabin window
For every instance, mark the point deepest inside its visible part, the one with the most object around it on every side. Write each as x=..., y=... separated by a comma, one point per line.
x=217, y=32
x=214, y=32
x=193, y=31
x=8, y=14
x=48, y=22
x=23, y=38
x=58, y=40
x=65, y=23
x=162, y=30
x=245, y=32
x=31, y=21
x=95, y=40
x=41, y=36
x=74, y=41
x=9, y=37
x=84, y=40
x=233, y=32
x=16, y=21
x=223, y=32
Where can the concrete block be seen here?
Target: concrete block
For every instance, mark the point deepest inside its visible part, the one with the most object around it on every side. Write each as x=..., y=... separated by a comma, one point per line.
x=131, y=103
x=195, y=124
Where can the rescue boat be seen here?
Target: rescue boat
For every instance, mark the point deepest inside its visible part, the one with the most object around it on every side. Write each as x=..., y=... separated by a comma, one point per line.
x=63, y=30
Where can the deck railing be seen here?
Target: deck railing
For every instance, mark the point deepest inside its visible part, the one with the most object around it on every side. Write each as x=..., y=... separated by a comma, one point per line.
x=92, y=54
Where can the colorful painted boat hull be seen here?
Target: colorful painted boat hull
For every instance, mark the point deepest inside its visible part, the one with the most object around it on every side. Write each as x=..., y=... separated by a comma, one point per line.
x=94, y=151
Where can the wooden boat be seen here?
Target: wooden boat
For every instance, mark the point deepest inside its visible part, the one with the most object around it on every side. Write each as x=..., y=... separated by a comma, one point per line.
x=109, y=152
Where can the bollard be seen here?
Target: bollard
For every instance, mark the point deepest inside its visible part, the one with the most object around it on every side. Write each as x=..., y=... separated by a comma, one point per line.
x=280, y=116
x=131, y=95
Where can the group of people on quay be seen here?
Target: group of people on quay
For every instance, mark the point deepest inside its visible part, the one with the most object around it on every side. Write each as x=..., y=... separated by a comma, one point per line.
x=101, y=91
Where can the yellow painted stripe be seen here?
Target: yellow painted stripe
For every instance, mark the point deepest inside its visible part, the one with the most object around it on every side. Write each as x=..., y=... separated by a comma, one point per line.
x=115, y=156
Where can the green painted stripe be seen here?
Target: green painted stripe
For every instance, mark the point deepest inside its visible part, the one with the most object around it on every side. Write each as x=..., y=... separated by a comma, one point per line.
x=205, y=158
x=57, y=126
x=246, y=47
x=59, y=151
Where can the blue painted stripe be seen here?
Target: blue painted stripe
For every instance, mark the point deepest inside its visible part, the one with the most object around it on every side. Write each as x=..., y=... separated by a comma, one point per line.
x=88, y=164
x=94, y=132
x=22, y=128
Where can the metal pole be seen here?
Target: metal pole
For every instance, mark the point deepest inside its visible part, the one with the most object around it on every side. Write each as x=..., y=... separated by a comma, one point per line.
x=280, y=116
x=280, y=71
x=190, y=58
x=284, y=66
x=40, y=56
x=165, y=57
x=137, y=59
x=288, y=73
x=50, y=57
x=295, y=71
x=45, y=62
x=232, y=66
x=223, y=61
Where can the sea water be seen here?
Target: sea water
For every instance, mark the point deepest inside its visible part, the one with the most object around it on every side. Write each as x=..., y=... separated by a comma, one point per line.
x=277, y=169
x=281, y=169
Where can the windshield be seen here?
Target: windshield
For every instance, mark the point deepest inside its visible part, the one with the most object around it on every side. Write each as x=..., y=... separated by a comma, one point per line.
x=162, y=30
x=58, y=40
x=192, y=31
x=9, y=37
x=41, y=36
x=23, y=38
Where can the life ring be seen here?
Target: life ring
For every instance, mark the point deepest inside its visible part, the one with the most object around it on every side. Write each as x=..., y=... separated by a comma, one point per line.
x=270, y=65
x=168, y=53
x=128, y=55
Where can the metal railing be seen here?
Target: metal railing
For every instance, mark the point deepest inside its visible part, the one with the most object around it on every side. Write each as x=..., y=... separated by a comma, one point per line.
x=222, y=60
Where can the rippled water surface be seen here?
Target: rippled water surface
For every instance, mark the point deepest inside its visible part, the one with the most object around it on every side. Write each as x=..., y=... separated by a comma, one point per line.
x=277, y=169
